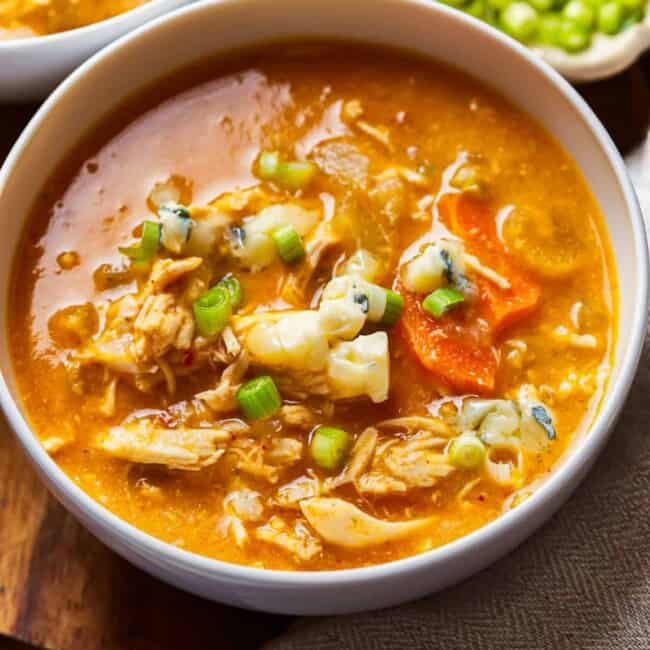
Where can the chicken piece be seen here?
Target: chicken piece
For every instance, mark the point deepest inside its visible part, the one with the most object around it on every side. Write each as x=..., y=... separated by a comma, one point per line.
x=108, y=403
x=415, y=423
x=166, y=271
x=244, y=504
x=161, y=325
x=343, y=524
x=321, y=240
x=284, y=451
x=265, y=458
x=223, y=397
x=298, y=541
x=415, y=461
x=360, y=458
x=291, y=494
x=299, y=416
x=141, y=441
x=379, y=484
x=231, y=526
x=55, y=444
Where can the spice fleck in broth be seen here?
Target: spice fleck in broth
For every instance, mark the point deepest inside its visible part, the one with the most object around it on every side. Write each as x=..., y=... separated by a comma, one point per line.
x=295, y=313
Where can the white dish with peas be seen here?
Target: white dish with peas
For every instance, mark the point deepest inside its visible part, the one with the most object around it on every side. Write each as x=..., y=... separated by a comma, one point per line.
x=583, y=40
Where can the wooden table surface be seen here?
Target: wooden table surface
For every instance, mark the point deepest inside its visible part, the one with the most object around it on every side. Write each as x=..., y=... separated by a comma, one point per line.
x=62, y=589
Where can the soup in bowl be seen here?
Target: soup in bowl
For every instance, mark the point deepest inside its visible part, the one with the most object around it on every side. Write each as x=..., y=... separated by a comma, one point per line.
x=304, y=315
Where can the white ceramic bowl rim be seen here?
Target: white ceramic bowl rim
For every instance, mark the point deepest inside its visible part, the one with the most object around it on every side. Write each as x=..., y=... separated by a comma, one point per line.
x=193, y=563
x=60, y=39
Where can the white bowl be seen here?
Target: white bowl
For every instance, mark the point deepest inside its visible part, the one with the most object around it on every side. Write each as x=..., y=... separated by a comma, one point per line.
x=31, y=67
x=205, y=28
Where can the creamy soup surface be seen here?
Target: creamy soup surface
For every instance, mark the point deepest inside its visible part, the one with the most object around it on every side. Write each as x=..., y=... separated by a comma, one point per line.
x=313, y=306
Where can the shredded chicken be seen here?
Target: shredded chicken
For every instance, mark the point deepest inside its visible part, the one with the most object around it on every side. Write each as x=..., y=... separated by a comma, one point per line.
x=265, y=460
x=379, y=484
x=415, y=462
x=284, y=451
x=298, y=415
x=222, y=398
x=291, y=494
x=360, y=458
x=167, y=271
x=231, y=526
x=298, y=541
x=161, y=324
x=321, y=239
x=141, y=441
x=107, y=405
x=245, y=504
x=343, y=524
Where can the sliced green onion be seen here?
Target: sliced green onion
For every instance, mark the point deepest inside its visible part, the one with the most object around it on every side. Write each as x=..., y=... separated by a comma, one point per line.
x=442, y=300
x=233, y=285
x=393, y=310
x=259, y=397
x=289, y=243
x=213, y=310
x=148, y=247
x=467, y=452
x=296, y=175
x=268, y=165
x=329, y=447
x=291, y=175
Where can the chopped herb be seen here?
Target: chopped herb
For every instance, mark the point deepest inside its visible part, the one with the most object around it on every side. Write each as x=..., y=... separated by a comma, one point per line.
x=362, y=299
x=544, y=420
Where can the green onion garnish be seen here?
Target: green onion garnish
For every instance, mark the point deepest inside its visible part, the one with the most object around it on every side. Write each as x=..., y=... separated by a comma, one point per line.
x=289, y=243
x=148, y=247
x=213, y=310
x=291, y=175
x=329, y=447
x=268, y=165
x=233, y=285
x=467, y=452
x=393, y=310
x=442, y=300
x=296, y=175
x=259, y=397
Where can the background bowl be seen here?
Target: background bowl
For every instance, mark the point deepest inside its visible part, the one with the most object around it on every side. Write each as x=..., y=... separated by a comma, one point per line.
x=431, y=29
x=31, y=67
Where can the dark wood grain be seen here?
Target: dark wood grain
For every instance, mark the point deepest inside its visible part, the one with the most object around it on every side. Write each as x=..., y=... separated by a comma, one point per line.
x=60, y=588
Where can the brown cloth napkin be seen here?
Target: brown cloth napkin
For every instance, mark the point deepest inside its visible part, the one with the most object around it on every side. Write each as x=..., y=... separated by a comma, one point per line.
x=582, y=581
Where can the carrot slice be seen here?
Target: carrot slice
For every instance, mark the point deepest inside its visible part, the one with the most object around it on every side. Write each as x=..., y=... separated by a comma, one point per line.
x=458, y=348
x=453, y=347
x=472, y=220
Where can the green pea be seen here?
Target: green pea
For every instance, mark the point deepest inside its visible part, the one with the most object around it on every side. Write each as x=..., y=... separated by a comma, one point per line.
x=541, y=5
x=498, y=5
x=550, y=26
x=633, y=5
x=573, y=38
x=610, y=18
x=520, y=20
x=580, y=13
x=633, y=18
x=476, y=9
